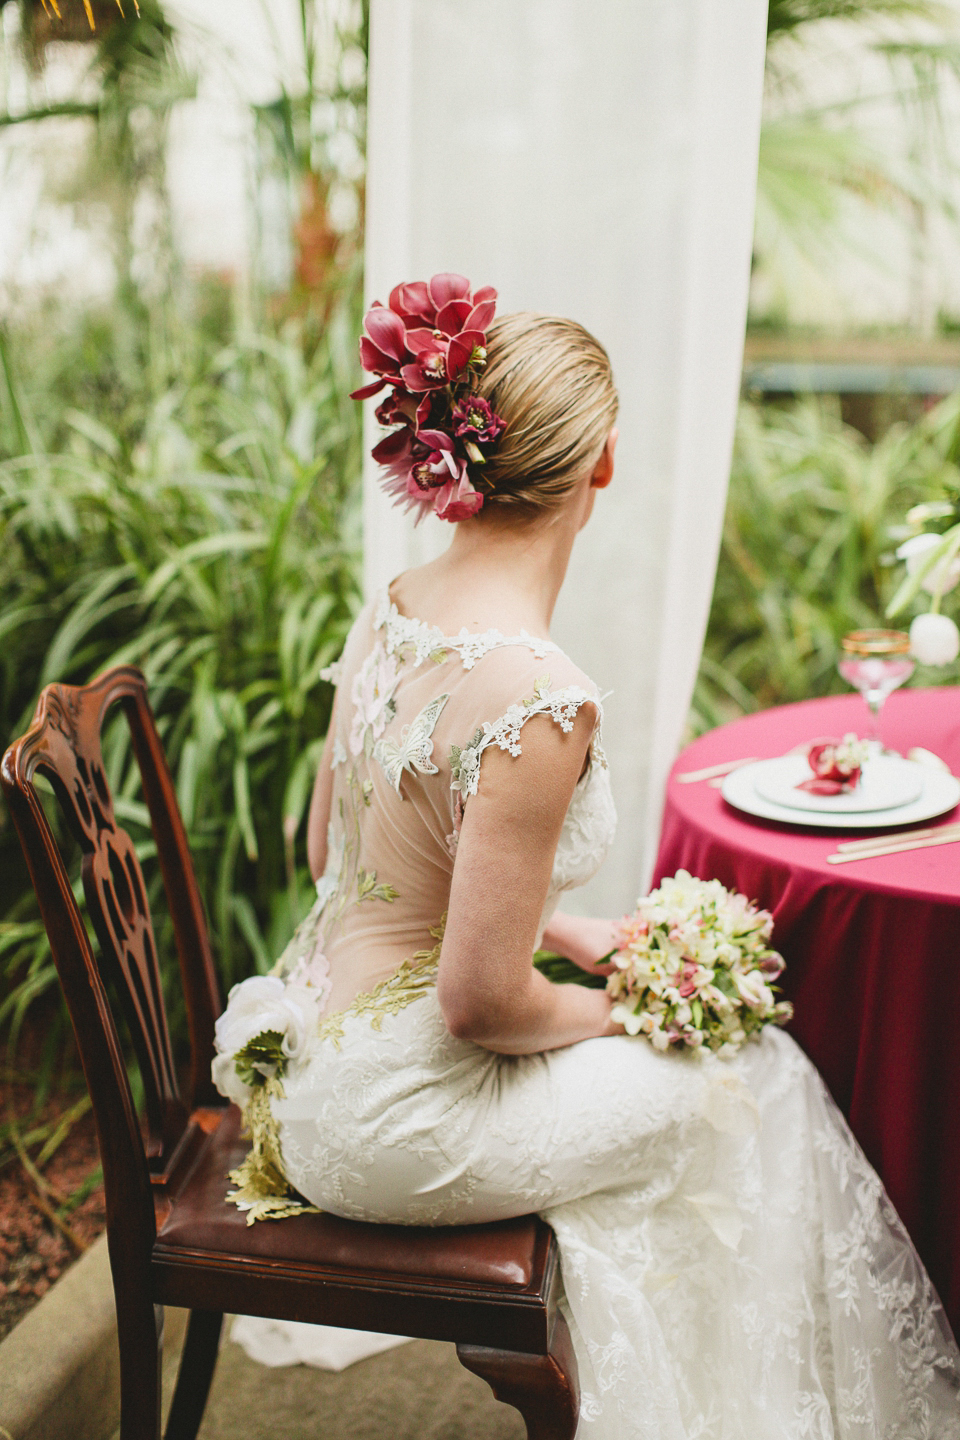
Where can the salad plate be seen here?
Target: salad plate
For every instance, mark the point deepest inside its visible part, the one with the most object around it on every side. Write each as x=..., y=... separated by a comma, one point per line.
x=929, y=794
x=886, y=781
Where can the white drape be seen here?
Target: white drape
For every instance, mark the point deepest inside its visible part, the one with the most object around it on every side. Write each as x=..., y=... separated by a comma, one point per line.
x=594, y=158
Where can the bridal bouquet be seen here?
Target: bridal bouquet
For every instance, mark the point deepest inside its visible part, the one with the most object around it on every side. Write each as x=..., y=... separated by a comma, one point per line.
x=695, y=968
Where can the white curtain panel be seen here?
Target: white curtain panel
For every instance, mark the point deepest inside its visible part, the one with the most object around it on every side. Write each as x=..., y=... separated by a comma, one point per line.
x=591, y=158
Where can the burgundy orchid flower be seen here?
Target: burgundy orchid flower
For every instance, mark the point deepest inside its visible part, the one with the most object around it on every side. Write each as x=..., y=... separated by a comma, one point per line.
x=412, y=303
x=473, y=419
x=383, y=349
x=429, y=368
x=398, y=452
x=398, y=408
x=426, y=347
x=836, y=765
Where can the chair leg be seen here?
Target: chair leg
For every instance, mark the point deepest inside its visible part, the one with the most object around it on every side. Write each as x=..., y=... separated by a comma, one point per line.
x=140, y=1331
x=197, y=1363
x=544, y=1388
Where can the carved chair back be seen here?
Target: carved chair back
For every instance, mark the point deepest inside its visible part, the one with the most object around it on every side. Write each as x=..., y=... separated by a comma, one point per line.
x=64, y=744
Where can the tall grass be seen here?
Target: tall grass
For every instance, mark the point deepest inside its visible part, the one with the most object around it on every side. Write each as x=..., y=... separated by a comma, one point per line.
x=213, y=540
x=813, y=518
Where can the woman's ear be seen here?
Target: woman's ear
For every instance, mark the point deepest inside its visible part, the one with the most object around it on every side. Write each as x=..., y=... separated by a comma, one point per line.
x=603, y=470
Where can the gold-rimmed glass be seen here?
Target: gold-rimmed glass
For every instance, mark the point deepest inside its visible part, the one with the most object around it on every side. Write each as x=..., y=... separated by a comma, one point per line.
x=875, y=662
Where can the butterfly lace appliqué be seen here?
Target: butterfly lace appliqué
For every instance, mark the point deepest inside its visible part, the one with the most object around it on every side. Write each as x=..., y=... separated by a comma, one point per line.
x=415, y=750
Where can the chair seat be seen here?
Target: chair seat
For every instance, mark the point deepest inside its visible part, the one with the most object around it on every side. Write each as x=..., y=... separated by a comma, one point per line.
x=325, y=1258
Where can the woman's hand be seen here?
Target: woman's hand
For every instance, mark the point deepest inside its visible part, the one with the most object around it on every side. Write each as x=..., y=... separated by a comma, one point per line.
x=583, y=940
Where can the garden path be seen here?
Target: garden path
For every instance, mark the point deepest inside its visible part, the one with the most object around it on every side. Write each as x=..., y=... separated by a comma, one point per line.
x=419, y=1391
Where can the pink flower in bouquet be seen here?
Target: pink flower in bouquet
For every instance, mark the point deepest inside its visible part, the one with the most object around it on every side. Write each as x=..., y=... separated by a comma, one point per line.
x=632, y=928
x=836, y=765
x=686, y=981
x=694, y=969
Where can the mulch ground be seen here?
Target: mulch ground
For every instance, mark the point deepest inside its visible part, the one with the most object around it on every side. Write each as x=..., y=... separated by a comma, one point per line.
x=51, y=1190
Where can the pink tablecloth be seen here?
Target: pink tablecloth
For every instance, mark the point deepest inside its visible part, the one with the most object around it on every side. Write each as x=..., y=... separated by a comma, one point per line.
x=872, y=949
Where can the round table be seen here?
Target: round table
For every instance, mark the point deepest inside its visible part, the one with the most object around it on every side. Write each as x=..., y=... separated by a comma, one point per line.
x=872, y=951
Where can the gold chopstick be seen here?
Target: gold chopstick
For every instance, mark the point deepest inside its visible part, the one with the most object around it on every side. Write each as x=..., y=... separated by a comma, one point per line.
x=710, y=772
x=872, y=841
x=948, y=836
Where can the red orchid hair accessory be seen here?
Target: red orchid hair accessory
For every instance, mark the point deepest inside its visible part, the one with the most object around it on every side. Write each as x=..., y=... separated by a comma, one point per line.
x=428, y=347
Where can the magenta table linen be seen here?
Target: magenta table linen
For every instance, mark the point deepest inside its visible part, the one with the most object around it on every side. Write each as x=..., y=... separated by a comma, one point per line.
x=872, y=951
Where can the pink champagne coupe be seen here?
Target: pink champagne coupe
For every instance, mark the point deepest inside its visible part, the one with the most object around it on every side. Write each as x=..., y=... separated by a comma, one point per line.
x=875, y=662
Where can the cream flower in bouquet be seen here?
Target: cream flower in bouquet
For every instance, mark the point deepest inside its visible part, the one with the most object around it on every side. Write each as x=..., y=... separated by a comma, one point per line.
x=695, y=968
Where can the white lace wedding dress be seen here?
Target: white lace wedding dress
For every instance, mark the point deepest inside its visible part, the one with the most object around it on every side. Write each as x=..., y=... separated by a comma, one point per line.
x=732, y=1267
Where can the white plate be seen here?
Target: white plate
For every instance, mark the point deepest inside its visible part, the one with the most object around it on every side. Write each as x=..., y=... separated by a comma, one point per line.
x=886, y=781
x=940, y=793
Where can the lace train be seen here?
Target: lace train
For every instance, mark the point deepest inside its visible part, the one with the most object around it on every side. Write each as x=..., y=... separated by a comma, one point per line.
x=733, y=1269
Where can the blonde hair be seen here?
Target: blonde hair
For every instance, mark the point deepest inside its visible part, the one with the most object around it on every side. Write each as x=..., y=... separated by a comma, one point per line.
x=552, y=383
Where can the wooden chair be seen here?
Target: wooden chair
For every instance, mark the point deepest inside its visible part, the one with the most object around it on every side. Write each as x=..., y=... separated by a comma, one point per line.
x=172, y=1238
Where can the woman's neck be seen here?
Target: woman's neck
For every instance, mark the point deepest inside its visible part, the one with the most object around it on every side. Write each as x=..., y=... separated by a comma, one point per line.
x=497, y=574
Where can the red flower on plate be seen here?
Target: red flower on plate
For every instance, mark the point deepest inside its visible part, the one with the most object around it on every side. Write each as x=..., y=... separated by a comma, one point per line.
x=836, y=765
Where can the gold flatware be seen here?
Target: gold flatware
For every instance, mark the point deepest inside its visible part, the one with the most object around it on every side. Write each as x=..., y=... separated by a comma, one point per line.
x=711, y=772
x=871, y=842
x=948, y=835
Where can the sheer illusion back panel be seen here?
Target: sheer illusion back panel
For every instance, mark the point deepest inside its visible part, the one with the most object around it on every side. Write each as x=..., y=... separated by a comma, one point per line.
x=415, y=711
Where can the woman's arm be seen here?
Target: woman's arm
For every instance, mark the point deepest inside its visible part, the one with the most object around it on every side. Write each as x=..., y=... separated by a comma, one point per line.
x=319, y=816
x=487, y=987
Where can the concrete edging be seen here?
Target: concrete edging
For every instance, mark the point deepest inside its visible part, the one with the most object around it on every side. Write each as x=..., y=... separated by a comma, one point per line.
x=60, y=1366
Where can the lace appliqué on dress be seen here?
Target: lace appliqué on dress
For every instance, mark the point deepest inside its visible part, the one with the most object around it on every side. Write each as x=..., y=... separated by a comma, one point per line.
x=372, y=695
x=561, y=706
x=408, y=983
x=429, y=642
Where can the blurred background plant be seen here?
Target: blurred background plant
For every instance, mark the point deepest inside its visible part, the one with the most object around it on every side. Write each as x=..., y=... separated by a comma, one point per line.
x=179, y=468
x=813, y=520
x=858, y=127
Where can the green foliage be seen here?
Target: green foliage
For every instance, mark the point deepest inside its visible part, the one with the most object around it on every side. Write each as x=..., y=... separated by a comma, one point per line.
x=822, y=160
x=785, y=17
x=813, y=517
x=209, y=533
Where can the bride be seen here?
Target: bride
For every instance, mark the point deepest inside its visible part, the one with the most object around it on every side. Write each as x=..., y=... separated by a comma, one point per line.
x=732, y=1267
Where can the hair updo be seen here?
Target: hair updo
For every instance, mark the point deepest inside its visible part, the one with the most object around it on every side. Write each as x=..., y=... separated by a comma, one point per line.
x=552, y=383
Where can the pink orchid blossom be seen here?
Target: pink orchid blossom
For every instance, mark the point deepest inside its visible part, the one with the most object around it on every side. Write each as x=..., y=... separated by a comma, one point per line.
x=458, y=500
